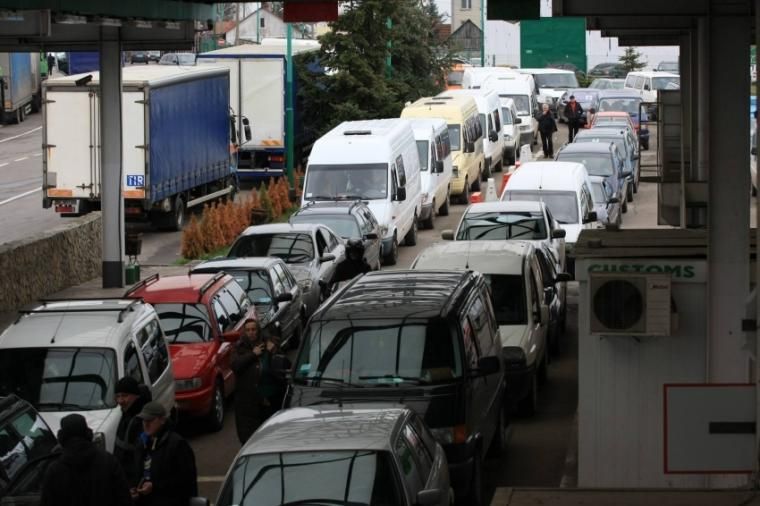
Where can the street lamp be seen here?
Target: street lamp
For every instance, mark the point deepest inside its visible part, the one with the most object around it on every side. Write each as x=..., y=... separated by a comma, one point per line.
x=482, y=33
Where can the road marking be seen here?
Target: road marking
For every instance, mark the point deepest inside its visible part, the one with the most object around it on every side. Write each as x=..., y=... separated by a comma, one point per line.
x=37, y=154
x=21, y=159
x=21, y=135
x=7, y=201
x=3, y=164
x=210, y=479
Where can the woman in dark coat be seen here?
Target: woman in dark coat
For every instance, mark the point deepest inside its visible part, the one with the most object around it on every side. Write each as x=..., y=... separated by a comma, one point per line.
x=546, y=127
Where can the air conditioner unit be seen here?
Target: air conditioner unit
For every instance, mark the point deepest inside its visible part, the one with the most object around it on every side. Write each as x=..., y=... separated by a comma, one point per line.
x=625, y=304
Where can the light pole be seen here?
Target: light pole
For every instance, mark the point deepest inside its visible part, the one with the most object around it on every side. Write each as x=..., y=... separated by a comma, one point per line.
x=289, y=99
x=482, y=33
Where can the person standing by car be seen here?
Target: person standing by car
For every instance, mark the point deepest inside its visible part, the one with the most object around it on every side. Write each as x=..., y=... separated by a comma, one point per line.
x=547, y=126
x=255, y=387
x=354, y=264
x=168, y=474
x=574, y=114
x=84, y=474
x=131, y=400
x=590, y=118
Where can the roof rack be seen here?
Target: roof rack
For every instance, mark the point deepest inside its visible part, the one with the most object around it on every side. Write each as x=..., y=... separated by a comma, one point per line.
x=208, y=284
x=434, y=103
x=145, y=282
x=357, y=132
x=121, y=310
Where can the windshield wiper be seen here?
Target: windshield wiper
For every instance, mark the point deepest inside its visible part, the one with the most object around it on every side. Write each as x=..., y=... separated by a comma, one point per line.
x=320, y=379
x=410, y=379
x=322, y=197
x=322, y=501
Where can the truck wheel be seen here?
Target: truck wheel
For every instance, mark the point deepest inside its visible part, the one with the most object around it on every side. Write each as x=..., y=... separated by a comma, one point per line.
x=444, y=209
x=411, y=236
x=19, y=115
x=476, y=184
x=485, y=174
x=392, y=257
x=464, y=197
x=174, y=220
x=428, y=223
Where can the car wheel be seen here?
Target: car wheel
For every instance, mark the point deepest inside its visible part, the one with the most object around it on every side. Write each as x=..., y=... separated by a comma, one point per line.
x=499, y=166
x=624, y=207
x=499, y=441
x=485, y=174
x=216, y=415
x=464, y=197
x=392, y=257
x=428, y=223
x=411, y=236
x=629, y=194
x=444, y=209
x=475, y=186
x=527, y=405
x=476, y=484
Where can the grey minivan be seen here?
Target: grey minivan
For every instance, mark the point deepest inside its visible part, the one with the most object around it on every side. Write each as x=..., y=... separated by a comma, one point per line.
x=375, y=455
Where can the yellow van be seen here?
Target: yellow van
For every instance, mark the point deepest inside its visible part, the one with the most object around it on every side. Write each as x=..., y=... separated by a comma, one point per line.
x=465, y=134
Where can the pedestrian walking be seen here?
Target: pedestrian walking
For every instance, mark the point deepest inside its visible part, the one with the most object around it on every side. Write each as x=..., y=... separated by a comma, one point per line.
x=131, y=399
x=168, y=474
x=256, y=386
x=84, y=474
x=51, y=63
x=574, y=115
x=546, y=127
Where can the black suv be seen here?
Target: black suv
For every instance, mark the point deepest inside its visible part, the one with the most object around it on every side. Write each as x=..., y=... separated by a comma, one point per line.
x=428, y=339
x=348, y=219
x=27, y=447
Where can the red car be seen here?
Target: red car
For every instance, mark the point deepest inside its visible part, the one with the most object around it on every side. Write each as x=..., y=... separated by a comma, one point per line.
x=202, y=315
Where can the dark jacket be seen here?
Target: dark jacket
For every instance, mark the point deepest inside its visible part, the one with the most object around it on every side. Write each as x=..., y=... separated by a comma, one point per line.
x=127, y=439
x=246, y=366
x=574, y=115
x=85, y=475
x=172, y=469
x=348, y=269
x=546, y=123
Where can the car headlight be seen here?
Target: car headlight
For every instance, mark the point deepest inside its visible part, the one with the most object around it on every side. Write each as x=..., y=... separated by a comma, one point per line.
x=100, y=440
x=514, y=356
x=455, y=171
x=305, y=285
x=187, y=384
x=449, y=435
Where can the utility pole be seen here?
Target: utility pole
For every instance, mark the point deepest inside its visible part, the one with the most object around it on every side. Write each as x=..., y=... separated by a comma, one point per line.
x=482, y=33
x=289, y=118
x=237, y=23
x=258, y=23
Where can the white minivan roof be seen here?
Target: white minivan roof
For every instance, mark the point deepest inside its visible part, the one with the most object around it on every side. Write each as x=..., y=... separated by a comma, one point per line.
x=424, y=127
x=557, y=176
x=365, y=141
x=482, y=97
x=487, y=257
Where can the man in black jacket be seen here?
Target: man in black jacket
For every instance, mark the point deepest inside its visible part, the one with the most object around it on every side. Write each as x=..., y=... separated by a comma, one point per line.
x=168, y=473
x=131, y=400
x=574, y=115
x=547, y=127
x=84, y=475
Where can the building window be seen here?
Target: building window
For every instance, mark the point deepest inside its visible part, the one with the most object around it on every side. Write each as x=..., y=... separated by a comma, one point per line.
x=466, y=4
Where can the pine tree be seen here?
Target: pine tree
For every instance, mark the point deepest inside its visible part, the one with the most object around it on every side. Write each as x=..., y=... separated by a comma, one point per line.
x=631, y=60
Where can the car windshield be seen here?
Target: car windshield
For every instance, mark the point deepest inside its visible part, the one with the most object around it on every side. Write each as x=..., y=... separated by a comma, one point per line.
x=506, y=116
x=563, y=205
x=255, y=283
x=666, y=83
x=291, y=247
x=584, y=97
x=184, y=323
x=422, y=150
x=60, y=379
x=356, y=477
x=384, y=352
x=610, y=104
x=508, y=296
x=502, y=225
x=522, y=103
x=596, y=164
x=367, y=181
x=455, y=131
x=343, y=225
x=455, y=77
x=558, y=80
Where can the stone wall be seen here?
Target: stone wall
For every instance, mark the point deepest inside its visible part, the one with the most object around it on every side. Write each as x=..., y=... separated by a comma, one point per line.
x=49, y=262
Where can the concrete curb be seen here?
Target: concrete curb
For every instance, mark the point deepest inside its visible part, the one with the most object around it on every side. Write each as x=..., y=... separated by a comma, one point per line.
x=570, y=473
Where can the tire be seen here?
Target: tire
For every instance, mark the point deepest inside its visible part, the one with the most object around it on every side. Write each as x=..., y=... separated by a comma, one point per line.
x=512, y=159
x=629, y=194
x=392, y=257
x=475, y=186
x=444, y=209
x=476, y=484
x=499, y=441
x=19, y=115
x=624, y=208
x=411, y=237
x=485, y=174
x=428, y=223
x=215, y=417
x=528, y=404
x=177, y=216
x=499, y=166
x=464, y=197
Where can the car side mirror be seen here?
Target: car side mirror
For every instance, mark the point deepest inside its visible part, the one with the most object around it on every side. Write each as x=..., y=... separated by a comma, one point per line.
x=590, y=217
x=429, y=497
x=563, y=277
x=371, y=236
x=328, y=257
x=284, y=297
x=518, y=121
x=559, y=233
x=400, y=194
x=231, y=336
x=447, y=235
x=487, y=366
x=613, y=200
x=438, y=167
x=493, y=136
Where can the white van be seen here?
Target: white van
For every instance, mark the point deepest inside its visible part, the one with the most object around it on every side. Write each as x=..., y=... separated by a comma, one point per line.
x=473, y=77
x=646, y=84
x=510, y=130
x=65, y=357
x=375, y=161
x=565, y=188
x=434, y=148
x=513, y=273
x=519, y=88
x=489, y=112
x=551, y=84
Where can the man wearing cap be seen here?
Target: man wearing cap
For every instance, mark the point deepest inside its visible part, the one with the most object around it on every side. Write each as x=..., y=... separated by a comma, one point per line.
x=84, y=474
x=168, y=476
x=574, y=115
x=131, y=400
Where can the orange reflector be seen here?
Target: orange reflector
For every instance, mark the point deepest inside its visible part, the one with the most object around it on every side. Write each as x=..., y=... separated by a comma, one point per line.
x=57, y=192
x=460, y=433
x=134, y=194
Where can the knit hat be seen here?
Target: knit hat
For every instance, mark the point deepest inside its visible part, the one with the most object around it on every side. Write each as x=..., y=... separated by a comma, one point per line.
x=127, y=385
x=152, y=410
x=74, y=425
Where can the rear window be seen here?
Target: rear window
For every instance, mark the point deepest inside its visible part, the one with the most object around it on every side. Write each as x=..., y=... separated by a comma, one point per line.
x=184, y=323
x=563, y=205
x=383, y=352
x=596, y=164
x=343, y=225
x=290, y=247
x=508, y=297
x=502, y=226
